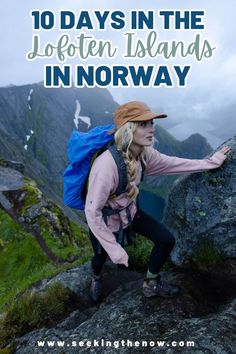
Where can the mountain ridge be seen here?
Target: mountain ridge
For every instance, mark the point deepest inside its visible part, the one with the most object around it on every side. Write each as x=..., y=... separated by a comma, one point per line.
x=36, y=123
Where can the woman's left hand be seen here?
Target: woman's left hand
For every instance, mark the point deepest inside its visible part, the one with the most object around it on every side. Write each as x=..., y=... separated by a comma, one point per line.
x=225, y=150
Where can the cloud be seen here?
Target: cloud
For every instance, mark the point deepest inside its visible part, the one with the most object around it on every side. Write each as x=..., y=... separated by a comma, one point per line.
x=211, y=83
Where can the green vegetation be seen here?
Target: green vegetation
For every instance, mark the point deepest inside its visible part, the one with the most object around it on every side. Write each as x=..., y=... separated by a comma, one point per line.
x=32, y=194
x=22, y=262
x=35, y=310
x=63, y=247
x=139, y=253
x=10, y=350
x=205, y=254
x=83, y=244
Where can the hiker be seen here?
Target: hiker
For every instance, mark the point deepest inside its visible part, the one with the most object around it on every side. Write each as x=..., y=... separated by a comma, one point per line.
x=133, y=140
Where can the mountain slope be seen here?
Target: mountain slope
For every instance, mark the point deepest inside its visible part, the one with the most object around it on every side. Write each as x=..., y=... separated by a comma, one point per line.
x=36, y=239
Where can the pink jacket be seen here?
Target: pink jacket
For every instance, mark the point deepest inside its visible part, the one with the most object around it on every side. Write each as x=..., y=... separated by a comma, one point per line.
x=103, y=181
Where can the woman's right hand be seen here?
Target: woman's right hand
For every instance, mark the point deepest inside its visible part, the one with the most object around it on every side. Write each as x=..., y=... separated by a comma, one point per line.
x=123, y=260
x=225, y=150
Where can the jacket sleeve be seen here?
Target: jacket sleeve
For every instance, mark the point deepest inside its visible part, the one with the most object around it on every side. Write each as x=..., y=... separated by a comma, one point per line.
x=160, y=164
x=101, y=185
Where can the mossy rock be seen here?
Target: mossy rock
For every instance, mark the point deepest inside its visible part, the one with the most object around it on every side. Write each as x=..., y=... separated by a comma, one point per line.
x=22, y=261
x=35, y=310
x=32, y=196
x=35, y=209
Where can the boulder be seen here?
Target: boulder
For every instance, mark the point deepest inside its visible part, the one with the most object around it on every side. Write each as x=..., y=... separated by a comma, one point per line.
x=10, y=179
x=201, y=213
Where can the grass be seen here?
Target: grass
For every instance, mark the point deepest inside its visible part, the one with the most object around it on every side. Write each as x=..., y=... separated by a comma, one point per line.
x=9, y=350
x=206, y=254
x=9, y=230
x=65, y=248
x=32, y=196
x=35, y=310
x=22, y=262
x=139, y=254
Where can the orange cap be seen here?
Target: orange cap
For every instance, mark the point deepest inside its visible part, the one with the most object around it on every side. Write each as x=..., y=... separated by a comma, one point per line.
x=134, y=111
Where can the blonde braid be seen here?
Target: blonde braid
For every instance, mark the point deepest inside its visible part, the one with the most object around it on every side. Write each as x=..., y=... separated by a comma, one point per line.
x=123, y=140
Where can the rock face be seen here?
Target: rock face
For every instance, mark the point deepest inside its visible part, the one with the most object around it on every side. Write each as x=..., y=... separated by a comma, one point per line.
x=126, y=315
x=201, y=212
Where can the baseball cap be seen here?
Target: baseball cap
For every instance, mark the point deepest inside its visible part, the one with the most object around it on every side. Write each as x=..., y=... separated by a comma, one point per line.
x=134, y=111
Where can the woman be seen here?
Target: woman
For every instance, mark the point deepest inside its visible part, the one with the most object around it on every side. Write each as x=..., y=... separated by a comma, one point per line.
x=133, y=139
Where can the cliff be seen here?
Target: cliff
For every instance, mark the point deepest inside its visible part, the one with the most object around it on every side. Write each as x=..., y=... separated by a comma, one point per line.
x=200, y=207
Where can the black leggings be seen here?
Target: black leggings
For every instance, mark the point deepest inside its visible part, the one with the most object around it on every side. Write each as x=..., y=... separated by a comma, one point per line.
x=145, y=225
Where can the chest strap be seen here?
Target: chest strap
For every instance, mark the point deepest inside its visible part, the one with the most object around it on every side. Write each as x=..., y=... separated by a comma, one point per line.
x=107, y=211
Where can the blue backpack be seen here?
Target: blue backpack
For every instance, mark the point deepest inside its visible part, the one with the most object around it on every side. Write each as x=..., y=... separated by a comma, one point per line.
x=83, y=148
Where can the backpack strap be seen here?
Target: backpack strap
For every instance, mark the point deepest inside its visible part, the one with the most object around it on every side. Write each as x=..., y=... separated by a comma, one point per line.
x=123, y=181
x=107, y=211
x=122, y=170
x=143, y=170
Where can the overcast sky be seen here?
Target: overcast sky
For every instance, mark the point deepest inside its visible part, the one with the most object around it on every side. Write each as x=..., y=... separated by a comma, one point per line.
x=211, y=83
